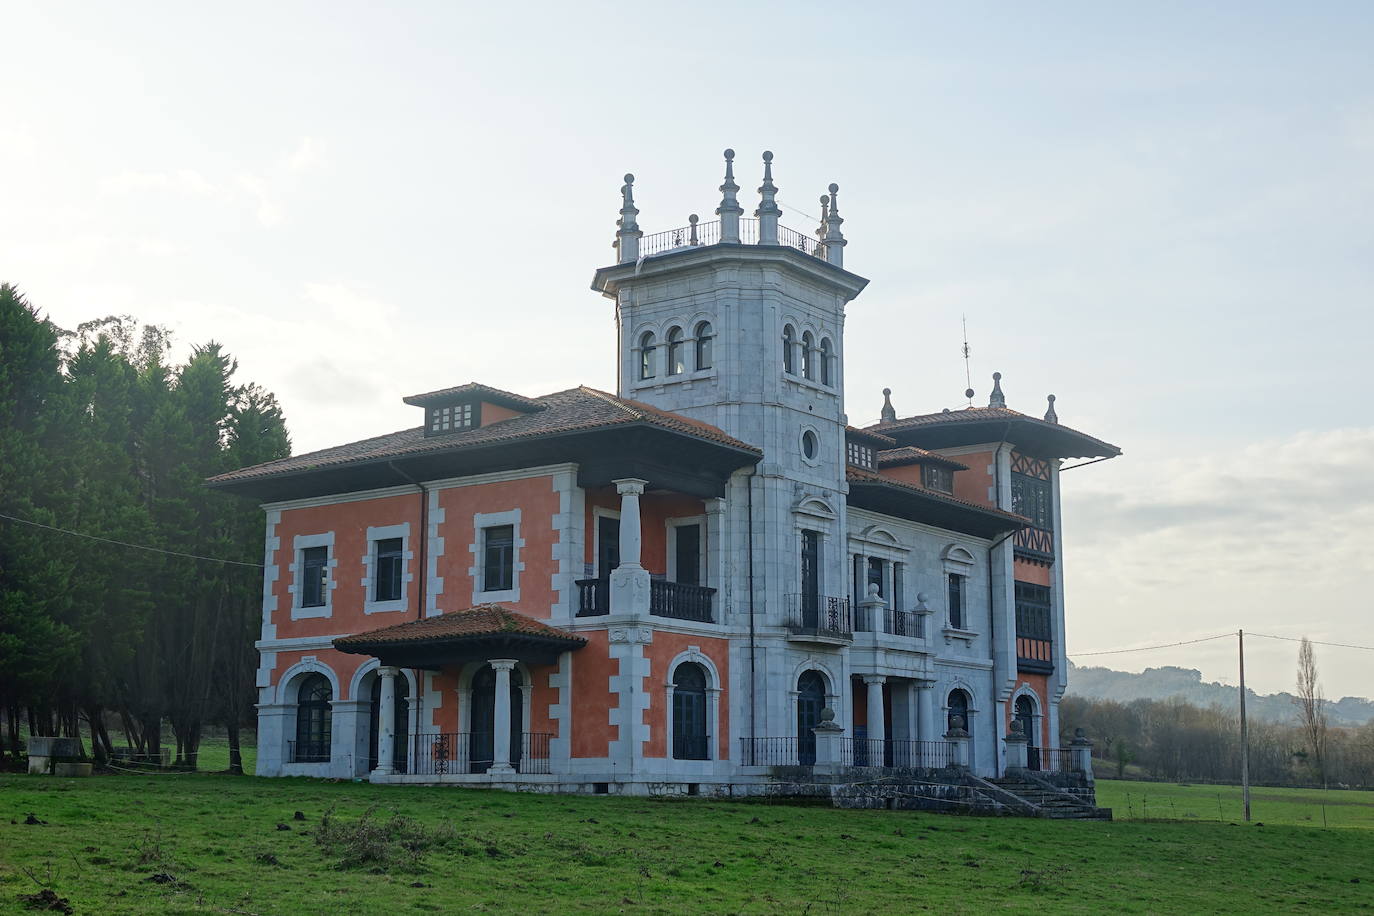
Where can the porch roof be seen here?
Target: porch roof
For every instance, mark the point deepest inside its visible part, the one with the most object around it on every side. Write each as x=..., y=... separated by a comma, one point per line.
x=474, y=634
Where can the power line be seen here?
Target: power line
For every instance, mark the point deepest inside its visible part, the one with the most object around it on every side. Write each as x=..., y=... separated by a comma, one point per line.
x=1315, y=642
x=92, y=537
x=1170, y=645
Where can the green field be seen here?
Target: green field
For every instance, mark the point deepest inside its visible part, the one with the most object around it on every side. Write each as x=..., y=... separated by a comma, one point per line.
x=214, y=840
x=1332, y=808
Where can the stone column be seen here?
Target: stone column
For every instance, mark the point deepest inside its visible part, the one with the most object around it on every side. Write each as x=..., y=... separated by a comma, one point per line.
x=828, y=735
x=630, y=580
x=501, y=740
x=1082, y=750
x=715, y=552
x=927, y=728
x=386, y=722
x=877, y=726
x=1016, y=747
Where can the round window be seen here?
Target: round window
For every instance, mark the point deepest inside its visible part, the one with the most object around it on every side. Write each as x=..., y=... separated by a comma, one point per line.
x=809, y=444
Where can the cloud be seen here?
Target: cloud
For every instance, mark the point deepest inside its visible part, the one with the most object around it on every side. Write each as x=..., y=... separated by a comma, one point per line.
x=181, y=181
x=305, y=157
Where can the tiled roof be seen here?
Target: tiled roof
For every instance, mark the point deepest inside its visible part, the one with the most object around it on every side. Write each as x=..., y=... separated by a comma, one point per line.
x=574, y=410
x=869, y=436
x=482, y=620
x=983, y=415
x=476, y=391
x=910, y=454
x=863, y=476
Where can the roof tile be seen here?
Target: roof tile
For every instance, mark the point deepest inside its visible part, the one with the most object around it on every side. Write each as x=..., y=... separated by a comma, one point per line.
x=482, y=620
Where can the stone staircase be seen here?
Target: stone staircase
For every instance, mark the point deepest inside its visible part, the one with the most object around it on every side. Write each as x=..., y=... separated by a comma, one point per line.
x=1041, y=799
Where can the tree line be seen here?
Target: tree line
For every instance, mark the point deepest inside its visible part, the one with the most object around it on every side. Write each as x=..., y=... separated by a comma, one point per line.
x=1178, y=741
x=105, y=443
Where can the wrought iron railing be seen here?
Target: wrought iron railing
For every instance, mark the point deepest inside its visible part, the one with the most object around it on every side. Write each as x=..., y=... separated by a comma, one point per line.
x=308, y=751
x=677, y=600
x=1038, y=542
x=534, y=752
x=777, y=752
x=691, y=747
x=681, y=601
x=440, y=754
x=708, y=233
x=1050, y=759
x=398, y=758
x=886, y=620
x=824, y=616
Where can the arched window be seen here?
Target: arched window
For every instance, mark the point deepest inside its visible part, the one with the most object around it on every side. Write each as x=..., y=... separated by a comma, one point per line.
x=676, y=352
x=808, y=349
x=647, y=351
x=1025, y=714
x=690, y=741
x=789, y=338
x=958, y=708
x=825, y=355
x=706, y=337
x=810, y=702
x=312, y=720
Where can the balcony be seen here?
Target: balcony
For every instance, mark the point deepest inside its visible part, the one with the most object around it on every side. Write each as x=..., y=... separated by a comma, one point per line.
x=893, y=623
x=823, y=619
x=700, y=235
x=1034, y=543
x=1034, y=654
x=455, y=753
x=675, y=600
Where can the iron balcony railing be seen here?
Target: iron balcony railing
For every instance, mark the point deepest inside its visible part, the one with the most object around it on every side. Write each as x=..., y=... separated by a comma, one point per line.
x=316, y=751
x=677, y=600
x=886, y=620
x=825, y=616
x=472, y=752
x=1050, y=759
x=777, y=752
x=700, y=234
x=896, y=753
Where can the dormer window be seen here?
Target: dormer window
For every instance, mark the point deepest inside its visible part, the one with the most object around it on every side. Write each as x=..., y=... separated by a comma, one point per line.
x=860, y=455
x=451, y=417
x=935, y=477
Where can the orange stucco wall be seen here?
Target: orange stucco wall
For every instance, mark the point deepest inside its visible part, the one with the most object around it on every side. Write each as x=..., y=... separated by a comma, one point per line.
x=666, y=647
x=906, y=473
x=495, y=413
x=592, y=669
x=973, y=484
x=1034, y=573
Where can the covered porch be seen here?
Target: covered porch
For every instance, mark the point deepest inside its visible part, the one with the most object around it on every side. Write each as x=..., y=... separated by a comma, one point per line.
x=490, y=652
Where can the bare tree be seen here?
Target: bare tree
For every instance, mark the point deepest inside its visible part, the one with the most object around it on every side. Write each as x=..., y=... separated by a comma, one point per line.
x=1312, y=707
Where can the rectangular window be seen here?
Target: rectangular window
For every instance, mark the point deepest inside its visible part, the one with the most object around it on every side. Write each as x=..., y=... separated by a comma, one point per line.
x=934, y=477
x=860, y=455
x=387, y=570
x=498, y=558
x=314, y=576
x=1032, y=611
x=875, y=577
x=687, y=554
x=896, y=602
x=1030, y=497
x=859, y=565
x=447, y=419
x=956, y=601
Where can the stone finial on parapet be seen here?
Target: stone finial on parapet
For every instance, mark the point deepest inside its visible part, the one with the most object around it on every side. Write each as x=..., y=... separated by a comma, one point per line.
x=768, y=211
x=692, y=230
x=729, y=210
x=1016, y=742
x=997, y=398
x=1082, y=750
x=889, y=414
x=1050, y=415
x=627, y=233
x=834, y=239
x=957, y=737
x=820, y=230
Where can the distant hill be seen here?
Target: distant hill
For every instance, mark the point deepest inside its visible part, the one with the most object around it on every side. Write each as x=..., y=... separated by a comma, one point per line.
x=1171, y=681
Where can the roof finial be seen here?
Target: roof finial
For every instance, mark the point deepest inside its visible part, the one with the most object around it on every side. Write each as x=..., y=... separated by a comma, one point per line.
x=998, y=399
x=768, y=211
x=627, y=235
x=834, y=239
x=1050, y=415
x=820, y=230
x=729, y=210
x=889, y=415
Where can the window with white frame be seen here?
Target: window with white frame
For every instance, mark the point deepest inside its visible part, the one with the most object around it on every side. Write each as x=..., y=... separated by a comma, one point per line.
x=386, y=568
x=311, y=580
x=451, y=417
x=496, y=557
x=860, y=455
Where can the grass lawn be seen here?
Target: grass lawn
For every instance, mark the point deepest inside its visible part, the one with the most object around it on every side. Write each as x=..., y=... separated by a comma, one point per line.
x=1332, y=808
x=105, y=839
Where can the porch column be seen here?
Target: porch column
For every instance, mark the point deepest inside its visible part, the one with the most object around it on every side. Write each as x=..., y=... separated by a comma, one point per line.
x=715, y=551
x=927, y=729
x=500, y=742
x=877, y=728
x=386, y=722
x=629, y=580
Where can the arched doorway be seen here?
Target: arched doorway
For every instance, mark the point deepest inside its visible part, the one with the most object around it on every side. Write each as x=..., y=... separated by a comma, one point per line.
x=1025, y=714
x=402, y=726
x=314, y=723
x=482, y=740
x=810, y=702
x=689, y=713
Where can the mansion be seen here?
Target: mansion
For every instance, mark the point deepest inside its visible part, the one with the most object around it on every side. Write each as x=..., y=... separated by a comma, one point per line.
x=692, y=582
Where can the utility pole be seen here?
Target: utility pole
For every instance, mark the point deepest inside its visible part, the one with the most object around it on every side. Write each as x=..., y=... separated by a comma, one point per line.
x=1244, y=732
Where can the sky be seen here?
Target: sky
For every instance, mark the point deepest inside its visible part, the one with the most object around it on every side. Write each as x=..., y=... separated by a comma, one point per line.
x=1162, y=213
